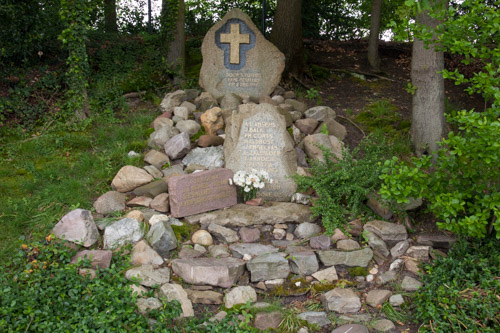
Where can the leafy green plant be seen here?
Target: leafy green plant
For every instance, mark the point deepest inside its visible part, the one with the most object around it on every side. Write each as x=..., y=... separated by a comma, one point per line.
x=460, y=292
x=393, y=315
x=313, y=94
x=342, y=184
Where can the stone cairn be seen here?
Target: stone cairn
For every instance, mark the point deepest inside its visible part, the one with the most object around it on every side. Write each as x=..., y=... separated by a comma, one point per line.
x=242, y=252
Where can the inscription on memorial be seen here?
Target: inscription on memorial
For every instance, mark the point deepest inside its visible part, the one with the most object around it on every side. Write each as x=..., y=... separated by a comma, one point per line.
x=201, y=192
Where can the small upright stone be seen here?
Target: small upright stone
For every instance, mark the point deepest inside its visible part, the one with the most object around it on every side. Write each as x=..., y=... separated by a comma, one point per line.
x=175, y=292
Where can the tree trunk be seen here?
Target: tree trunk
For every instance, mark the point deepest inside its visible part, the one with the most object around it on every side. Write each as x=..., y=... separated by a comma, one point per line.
x=373, y=56
x=110, y=16
x=287, y=34
x=176, y=36
x=428, y=122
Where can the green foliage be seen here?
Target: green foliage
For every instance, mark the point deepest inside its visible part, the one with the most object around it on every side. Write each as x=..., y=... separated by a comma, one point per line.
x=342, y=184
x=320, y=73
x=394, y=315
x=460, y=292
x=313, y=94
x=462, y=184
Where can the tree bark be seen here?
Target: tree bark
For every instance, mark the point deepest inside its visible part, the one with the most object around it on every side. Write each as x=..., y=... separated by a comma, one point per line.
x=373, y=56
x=110, y=16
x=428, y=122
x=287, y=35
x=177, y=47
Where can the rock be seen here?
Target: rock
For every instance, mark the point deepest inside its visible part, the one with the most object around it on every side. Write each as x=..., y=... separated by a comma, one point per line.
x=139, y=202
x=223, y=234
x=336, y=129
x=348, y=245
x=231, y=102
x=306, y=230
x=175, y=292
x=297, y=106
x=399, y=249
x=396, y=300
x=320, y=113
x=210, y=158
x=387, y=231
x=88, y=273
x=376, y=204
x=303, y=263
x=209, y=141
x=160, y=121
x=148, y=276
x=202, y=237
x=396, y=264
x=204, y=296
x=249, y=235
x=187, y=252
x=152, y=189
x=275, y=148
x=99, y=259
x=191, y=94
x=182, y=112
x=279, y=234
x=301, y=198
x=243, y=215
x=359, y=258
x=146, y=304
x=205, y=101
x=160, y=203
x=156, y=218
x=268, y=320
x=153, y=171
x=200, y=248
x=239, y=250
x=77, y=226
x=138, y=290
x=188, y=105
x=377, y=297
x=224, y=71
x=341, y=301
x=255, y=202
x=190, y=127
x=356, y=227
x=143, y=254
x=411, y=265
x=328, y=275
x=410, y=284
x=313, y=144
x=212, y=121
x=158, y=138
x=178, y=146
x=130, y=177
x=219, y=251
x=278, y=99
x=192, y=168
x=110, y=202
x=172, y=100
x=162, y=238
x=215, y=272
x=274, y=283
x=122, y=232
x=316, y=318
x=387, y=277
x=351, y=328
x=320, y=242
x=420, y=252
x=307, y=125
x=268, y=267
x=383, y=325
x=338, y=235
x=436, y=240
x=376, y=243
x=337, y=146
x=135, y=214
x=174, y=170
x=240, y=295
x=219, y=316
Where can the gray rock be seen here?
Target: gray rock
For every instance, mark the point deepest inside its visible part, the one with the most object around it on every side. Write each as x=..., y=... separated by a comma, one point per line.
x=301, y=198
x=383, y=325
x=204, y=296
x=377, y=297
x=322, y=242
x=110, y=202
x=148, y=276
x=209, y=271
x=182, y=112
x=328, y=275
x=249, y=235
x=152, y=189
x=190, y=127
x=99, y=259
x=210, y=158
x=306, y=230
x=387, y=277
x=396, y=264
x=359, y=258
x=396, y=300
x=175, y=292
x=178, y=146
x=240, y=295
x=436, y=240
x=162, y=121
x=296, y=105
x=320, y=113
x=410, y=284
x=316, y=318
x=252, y=249
x=230, y=102
x=313, y=144
x=347, y=245
x=122, y=232
x=307, y=125
x=341, y=300
x=141, y=201
x=420, y=252
x=143, y=254
x=205, y=101
x=156, y=158
x=399, y=249
x=387, y=231
x=77, y=226
x=268, y=320
x=378, y=206
x=202, y=237
x=160, y=203
x=351, y=328
x=218, y=251
x=187, y=252
x=158, y=138
x=153, y=171
x=354, y=318
x=376, y=243
x=223, y=234
x=172, y=100
x=268, y=267
x=174, y=170
x=162, y=238
x=303, y=263
x=336, y=129
x=191, y=94
x=189, y=106
x=147, y=304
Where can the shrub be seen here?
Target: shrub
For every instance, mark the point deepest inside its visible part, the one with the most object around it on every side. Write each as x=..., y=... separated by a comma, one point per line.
x=460, y=292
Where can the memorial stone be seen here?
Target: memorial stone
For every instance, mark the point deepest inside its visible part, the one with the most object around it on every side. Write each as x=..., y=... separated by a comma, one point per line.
x=238, y=59
x=201, y=192
x=256, y=138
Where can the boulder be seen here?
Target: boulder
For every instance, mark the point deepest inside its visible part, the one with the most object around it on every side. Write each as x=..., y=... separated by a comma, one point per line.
x=239, y=250
x=122, y=232
x=210, y=158
x=130, y=177
x=110, y=202
x=240, y=295
x=160, y=203
x=202, y=237
x=143, y=254
x=99, y=259
x=204, y=296
x=303, y=263
x=162, y=238
x=172, y=100
x=268, y=267
x=178, y=146
x=329, y=275
x=315, y=318
x=158, y=138
x=268, y=320
x=210, y=141
x=306, y=230
x=190, y=127
x=205, y=101
x=377, y=297
x=77, y=226
x=249, y=235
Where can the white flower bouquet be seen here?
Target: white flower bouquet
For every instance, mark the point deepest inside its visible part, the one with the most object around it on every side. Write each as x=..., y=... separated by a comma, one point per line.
x=248, y=183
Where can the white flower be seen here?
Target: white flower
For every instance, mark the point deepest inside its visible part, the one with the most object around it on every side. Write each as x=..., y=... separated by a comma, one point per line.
x=246, y=189
x=230, y=181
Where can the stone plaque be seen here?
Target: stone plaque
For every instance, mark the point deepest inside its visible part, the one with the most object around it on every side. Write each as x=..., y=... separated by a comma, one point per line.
x=256, y=138
x=201, y=192
x=238, y=59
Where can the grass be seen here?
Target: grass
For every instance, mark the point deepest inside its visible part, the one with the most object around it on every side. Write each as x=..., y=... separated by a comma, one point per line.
x=44, y=177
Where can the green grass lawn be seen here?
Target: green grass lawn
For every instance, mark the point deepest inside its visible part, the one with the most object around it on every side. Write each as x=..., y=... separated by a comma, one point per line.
x=44, y=177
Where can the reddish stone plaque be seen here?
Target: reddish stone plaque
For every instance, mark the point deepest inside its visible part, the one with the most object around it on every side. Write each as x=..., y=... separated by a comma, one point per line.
x=201, y=192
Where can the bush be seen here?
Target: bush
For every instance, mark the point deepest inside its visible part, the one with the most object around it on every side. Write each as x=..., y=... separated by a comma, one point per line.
x=460, y=292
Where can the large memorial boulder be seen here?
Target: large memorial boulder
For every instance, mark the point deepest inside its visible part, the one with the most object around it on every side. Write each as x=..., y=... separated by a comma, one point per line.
x=238, y=59
x=256, y=138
